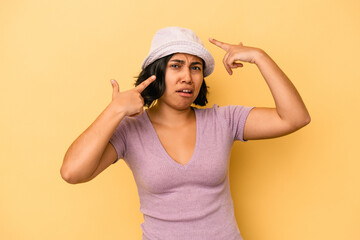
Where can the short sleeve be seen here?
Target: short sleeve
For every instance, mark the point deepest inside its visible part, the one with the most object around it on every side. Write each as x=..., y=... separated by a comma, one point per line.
x=235, y=117
x=118, y=141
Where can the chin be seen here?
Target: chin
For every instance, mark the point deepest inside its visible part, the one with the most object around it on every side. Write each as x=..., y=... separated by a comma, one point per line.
x=178, y=103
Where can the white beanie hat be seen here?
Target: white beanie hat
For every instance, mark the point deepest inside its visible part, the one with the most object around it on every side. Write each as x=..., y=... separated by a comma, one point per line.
x=171, y=40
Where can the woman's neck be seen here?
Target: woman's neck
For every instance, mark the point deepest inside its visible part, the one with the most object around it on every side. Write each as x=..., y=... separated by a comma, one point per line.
x=168, y=116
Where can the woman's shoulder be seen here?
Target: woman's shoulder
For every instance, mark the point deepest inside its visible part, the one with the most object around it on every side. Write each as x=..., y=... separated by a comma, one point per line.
x=231, y=117
x=226, y=112
x=220, y=109
x=206, y=110
x=214, y=112
x=215, y=107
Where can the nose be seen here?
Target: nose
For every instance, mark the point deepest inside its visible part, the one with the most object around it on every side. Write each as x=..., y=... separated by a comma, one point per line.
x=186, y=78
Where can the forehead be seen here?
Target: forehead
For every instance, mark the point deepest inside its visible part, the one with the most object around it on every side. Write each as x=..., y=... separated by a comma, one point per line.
x=186, y=57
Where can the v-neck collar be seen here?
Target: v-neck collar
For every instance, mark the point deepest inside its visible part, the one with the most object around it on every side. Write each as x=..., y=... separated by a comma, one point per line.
x=165, y=153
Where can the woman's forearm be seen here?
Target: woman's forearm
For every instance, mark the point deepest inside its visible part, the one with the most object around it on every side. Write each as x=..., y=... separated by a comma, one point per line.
x=84, y=154
x=289, y=104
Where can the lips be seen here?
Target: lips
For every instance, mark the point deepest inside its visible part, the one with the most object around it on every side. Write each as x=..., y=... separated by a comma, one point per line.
x=185, y=92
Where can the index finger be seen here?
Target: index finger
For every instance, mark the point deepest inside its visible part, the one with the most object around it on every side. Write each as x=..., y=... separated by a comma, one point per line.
x=222, y=45
x=145, y=84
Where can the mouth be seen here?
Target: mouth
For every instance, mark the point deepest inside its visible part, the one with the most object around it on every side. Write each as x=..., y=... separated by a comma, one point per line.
x=185, y=92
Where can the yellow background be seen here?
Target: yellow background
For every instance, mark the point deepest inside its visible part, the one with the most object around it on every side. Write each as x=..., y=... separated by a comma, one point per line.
x=56, y=60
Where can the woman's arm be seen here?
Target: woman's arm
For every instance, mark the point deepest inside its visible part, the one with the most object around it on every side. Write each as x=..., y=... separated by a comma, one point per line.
x=91, y=152
x=290, y=113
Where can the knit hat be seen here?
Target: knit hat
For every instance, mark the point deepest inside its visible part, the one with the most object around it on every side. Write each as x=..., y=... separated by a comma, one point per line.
x=171, y=40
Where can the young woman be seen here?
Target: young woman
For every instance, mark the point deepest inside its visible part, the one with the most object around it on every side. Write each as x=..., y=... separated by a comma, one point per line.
x=179, y=154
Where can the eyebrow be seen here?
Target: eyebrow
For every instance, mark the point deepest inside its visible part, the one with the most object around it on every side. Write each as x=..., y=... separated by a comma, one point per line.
x=183, y=62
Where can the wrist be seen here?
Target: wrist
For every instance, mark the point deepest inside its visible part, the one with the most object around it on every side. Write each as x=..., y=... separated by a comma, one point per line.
x=260, y=56
x=115, y=110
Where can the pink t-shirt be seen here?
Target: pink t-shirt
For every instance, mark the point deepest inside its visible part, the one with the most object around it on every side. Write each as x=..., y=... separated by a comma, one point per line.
x=191, y=201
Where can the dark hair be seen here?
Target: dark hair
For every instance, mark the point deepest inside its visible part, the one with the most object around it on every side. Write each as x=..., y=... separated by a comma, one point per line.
x=157, y=88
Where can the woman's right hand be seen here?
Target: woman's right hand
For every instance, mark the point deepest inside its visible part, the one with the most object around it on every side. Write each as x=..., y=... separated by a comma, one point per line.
x=130, y=103
x=91, y=152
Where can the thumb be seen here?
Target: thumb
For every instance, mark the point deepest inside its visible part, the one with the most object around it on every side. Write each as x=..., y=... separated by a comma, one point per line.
x=115, y=87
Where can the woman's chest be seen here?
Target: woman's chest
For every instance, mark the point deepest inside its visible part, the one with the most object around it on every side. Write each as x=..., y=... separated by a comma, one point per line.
x=207, y=155
x=179, y=143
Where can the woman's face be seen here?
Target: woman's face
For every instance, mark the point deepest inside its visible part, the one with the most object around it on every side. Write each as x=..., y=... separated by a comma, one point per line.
x=183, y=79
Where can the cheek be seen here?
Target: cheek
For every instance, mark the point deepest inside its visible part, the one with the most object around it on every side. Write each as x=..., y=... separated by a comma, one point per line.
x=169, y=84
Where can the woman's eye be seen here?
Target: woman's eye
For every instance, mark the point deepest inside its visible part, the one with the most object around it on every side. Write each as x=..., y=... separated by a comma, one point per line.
x=196, y=68
x=174, y=66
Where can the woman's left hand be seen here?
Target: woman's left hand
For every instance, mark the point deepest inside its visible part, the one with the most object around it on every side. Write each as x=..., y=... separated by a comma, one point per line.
x=235, y=53
x=290, y=113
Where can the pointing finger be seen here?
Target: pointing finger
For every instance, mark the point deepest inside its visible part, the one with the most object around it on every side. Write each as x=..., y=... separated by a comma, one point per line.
x=222, y=45
x=141, y=87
